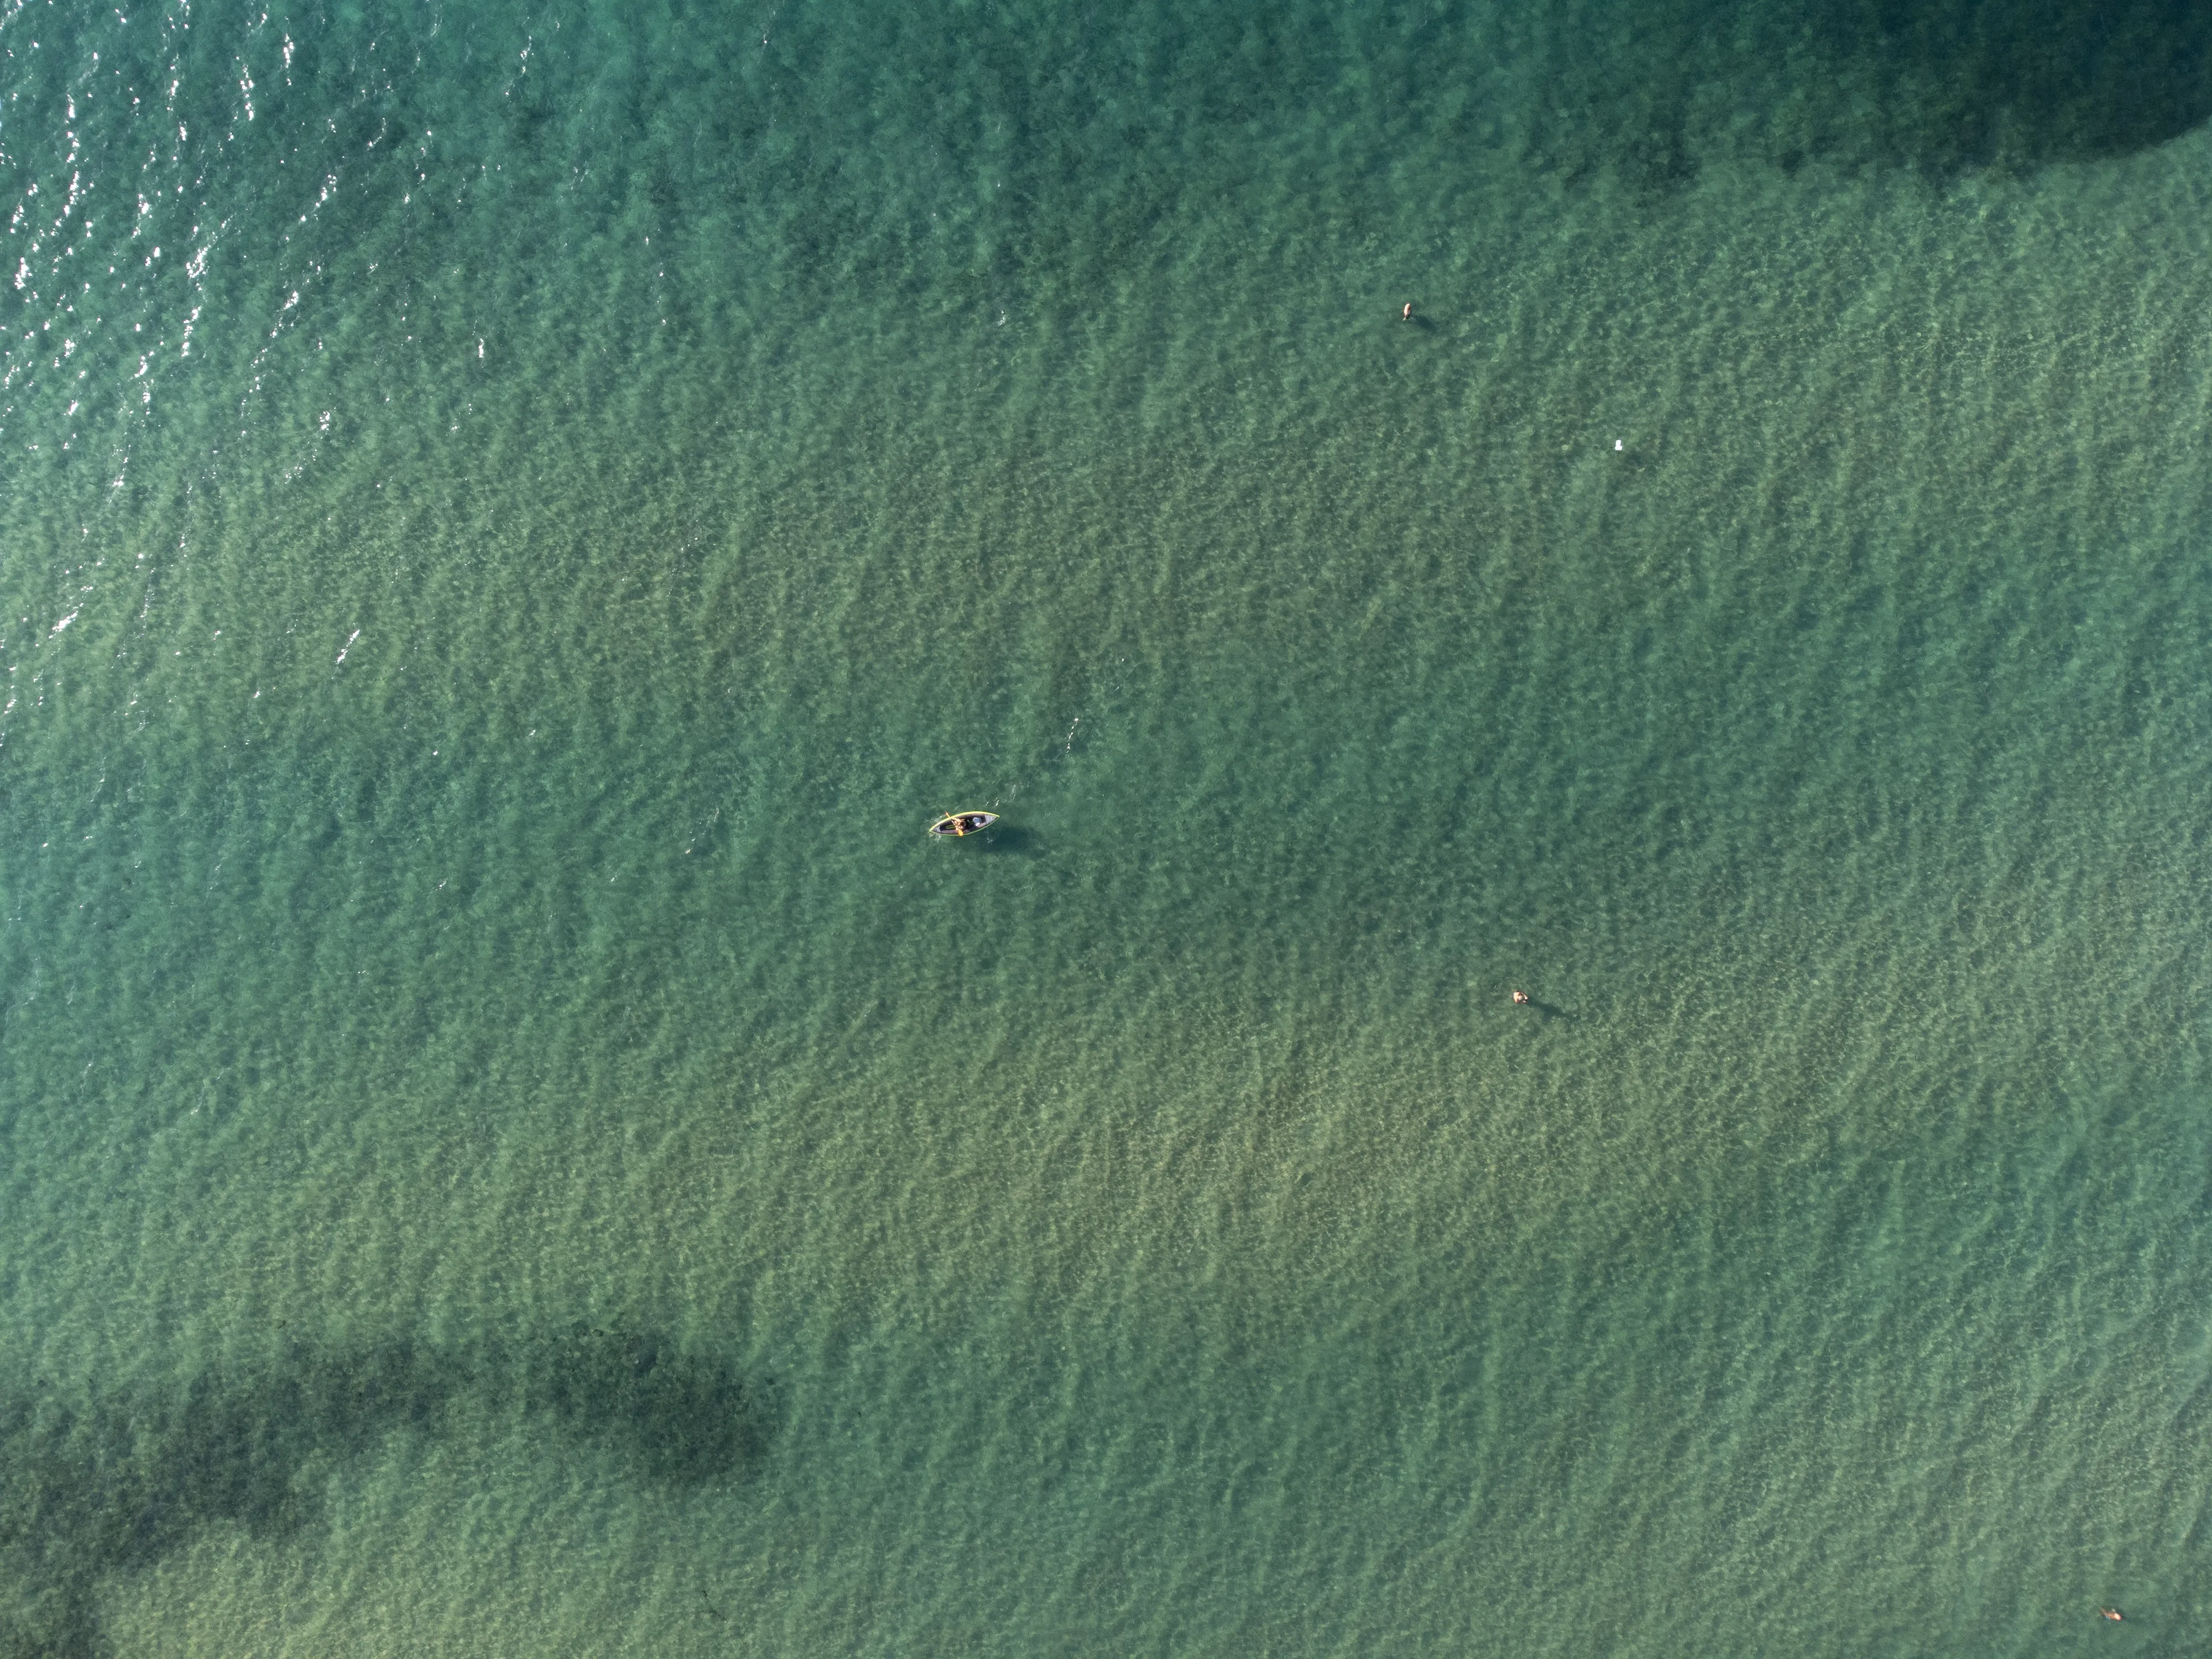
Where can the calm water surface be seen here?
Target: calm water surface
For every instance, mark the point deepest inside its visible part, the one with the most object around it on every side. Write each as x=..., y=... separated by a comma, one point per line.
x=513, y=516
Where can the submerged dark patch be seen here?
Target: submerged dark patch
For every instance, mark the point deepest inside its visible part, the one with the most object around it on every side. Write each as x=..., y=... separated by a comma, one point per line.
x=111, y=1484
x=1940, y=88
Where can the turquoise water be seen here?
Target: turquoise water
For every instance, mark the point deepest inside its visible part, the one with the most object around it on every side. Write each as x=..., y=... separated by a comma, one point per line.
x=514, y=1142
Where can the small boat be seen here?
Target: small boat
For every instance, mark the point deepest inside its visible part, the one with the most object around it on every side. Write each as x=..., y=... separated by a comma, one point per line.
x=963, y=823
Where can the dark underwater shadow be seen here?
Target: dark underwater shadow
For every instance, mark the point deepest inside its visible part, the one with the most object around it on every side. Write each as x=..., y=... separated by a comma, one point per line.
x=111, y=1483
x=1014, y=840
x=1654, y=94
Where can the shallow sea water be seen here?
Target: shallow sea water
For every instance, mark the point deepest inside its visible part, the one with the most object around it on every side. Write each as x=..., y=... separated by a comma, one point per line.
x=514, y=1142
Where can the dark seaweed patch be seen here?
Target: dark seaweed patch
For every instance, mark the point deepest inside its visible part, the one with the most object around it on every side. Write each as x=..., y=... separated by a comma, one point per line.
x=674, y=1417
x=111, y=1483
x=1656, y=92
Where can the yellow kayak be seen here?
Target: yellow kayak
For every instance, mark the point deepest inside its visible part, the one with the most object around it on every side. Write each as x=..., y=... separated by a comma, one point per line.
x=963, y=823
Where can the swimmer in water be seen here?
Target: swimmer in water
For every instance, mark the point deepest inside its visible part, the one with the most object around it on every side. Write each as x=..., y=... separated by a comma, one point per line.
x=1520, y=999
x=2112, y=1613
x=1407, y=315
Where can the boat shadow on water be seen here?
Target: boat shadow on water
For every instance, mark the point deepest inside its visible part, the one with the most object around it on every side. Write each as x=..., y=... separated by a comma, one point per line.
x=1014, y=840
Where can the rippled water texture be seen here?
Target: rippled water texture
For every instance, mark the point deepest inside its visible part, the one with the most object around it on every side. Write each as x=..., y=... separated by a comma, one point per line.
x=512, y=1141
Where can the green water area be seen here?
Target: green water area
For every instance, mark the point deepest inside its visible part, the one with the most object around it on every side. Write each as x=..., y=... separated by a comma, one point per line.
x=516, y=517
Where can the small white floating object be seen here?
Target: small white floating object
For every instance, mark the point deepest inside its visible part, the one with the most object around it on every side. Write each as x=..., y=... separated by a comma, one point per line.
x=1616, y=445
